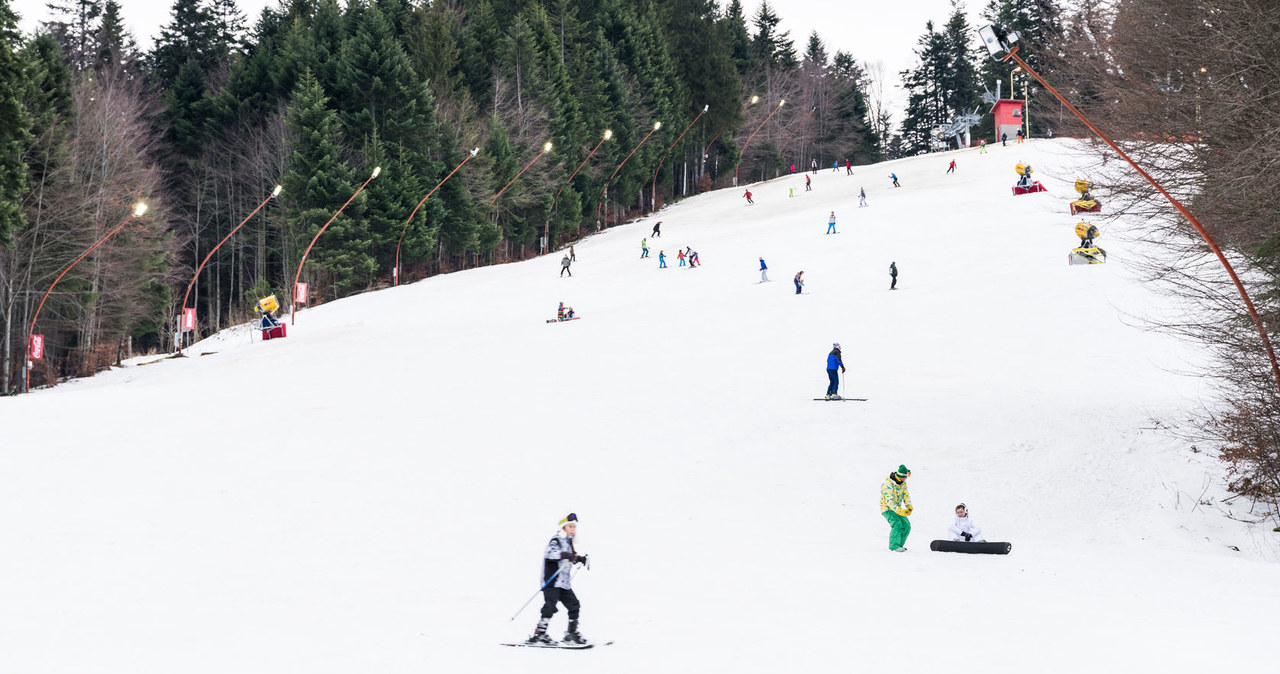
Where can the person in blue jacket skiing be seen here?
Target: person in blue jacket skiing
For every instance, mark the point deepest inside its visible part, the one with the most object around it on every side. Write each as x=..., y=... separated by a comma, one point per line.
x=557, y=578
x=834, y=362
x=764, y=271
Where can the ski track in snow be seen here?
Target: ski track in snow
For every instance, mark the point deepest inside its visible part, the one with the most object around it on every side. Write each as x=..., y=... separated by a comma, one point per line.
x=372, y=493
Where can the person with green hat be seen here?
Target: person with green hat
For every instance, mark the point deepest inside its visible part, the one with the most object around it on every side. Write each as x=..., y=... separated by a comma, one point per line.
x=895, y=506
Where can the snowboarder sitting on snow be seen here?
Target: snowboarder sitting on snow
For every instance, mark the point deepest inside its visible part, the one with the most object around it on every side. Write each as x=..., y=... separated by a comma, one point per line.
x=895, y=506
x=963, y=528
x=557, y=564
x=564, y=313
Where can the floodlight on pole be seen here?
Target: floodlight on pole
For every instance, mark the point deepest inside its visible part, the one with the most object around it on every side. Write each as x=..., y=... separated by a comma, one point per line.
x=1000, y=46
x=395, y=271
x=293, y=308
x=653, y=190
x=138, y=210
x=600, y=203
x=274, y=193
x=753, y=135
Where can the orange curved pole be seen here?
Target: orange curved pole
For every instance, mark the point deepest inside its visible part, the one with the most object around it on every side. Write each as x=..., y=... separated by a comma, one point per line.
x=293, y=318
x=1204, y=234
x=395, y=272
x=26, y=377
x=215, y=249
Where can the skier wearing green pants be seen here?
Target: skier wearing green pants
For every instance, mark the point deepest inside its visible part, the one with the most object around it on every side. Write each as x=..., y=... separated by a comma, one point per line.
x=895, y=506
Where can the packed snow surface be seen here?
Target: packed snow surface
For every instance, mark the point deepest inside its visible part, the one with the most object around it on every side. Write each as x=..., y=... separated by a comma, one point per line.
x=374, y=492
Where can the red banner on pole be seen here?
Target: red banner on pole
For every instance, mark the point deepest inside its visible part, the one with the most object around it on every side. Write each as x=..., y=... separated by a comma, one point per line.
x=301, y=293
x=37, y=347
x=188, y=319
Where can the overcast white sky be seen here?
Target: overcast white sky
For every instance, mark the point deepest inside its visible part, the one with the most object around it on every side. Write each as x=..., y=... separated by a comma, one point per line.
x=879, y=31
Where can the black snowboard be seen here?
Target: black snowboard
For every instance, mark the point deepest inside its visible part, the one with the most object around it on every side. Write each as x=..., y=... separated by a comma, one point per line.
x=971, y=547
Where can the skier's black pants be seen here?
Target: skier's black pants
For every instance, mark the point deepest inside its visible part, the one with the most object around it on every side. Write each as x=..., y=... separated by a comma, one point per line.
x=552, y=594
x=565, y=269
x=894, y=284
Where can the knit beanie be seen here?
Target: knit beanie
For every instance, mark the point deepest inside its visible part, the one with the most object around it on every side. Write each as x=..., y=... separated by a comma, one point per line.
x=903, y=472
x=571, y=518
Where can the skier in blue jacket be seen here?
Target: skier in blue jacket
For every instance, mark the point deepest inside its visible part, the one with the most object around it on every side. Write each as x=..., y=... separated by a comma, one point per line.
x=833, y=362
x=764, y=271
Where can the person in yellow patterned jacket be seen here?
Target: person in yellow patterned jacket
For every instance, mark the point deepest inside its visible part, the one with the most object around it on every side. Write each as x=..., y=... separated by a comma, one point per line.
x=895, y=506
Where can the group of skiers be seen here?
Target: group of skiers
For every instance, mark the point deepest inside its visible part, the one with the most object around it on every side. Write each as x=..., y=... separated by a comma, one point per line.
x=688, y=256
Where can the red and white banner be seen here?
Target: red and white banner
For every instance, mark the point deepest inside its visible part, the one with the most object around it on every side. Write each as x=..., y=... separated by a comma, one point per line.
x=189, y=319
x=37, y=347
x=300, y=294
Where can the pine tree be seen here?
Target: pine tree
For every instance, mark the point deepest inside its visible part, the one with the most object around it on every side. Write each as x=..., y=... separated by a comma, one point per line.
x=316, y=184
x=116, y=47
x=926, y=100
x=769, y=47
x=15, y=126
x=75, y=28
x=733, y=27
x=190, y=35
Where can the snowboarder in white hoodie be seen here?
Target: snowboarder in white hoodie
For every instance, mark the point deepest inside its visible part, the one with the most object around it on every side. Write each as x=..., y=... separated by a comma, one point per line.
x=963, y=528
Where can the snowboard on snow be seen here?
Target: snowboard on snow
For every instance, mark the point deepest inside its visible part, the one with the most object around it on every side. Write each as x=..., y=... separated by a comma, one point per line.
x=556, y=320
x=972, y=547
x=559, y=644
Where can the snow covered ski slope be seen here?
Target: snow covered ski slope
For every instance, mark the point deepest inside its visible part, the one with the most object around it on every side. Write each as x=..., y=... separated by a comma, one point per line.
x=373, y=493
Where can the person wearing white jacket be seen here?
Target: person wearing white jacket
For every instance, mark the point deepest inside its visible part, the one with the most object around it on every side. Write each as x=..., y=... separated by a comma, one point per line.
x=963, y=528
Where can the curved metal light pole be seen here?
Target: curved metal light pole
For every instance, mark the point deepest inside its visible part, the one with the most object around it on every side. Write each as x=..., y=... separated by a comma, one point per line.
x=705, y=150
x=546, y=224
x=653, y=190
x=545, y=149
x=1204, y=234
x=395, y=271
x=753, y=135
x=274, y=193
x=138, y=211
x=600, y=203
x=293, y=308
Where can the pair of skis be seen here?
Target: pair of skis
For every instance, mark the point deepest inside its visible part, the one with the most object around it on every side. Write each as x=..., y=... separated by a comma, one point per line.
x=838, y=399
x=563, y=645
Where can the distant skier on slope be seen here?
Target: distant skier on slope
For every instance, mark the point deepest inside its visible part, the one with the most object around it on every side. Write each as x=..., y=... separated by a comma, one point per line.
x=894, y=178
x=831, y=223
x=848, y=168
x=808, y=184
x=656, y=229
x=963, y=527
x=764, y=271
x=557, y=563
x=747, y=195
x=644, y=248
x=662, y=260
x=895, y=506
x=834, y=361
x=564, y=265
x=862, y=197
x=893, y=276
x=952, y=168
x=799, y=281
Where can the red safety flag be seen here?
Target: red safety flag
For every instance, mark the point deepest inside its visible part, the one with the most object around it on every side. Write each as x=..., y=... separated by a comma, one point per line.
x=37, y=347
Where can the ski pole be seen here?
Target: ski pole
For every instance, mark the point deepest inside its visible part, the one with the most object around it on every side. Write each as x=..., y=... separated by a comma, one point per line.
x=544, y=585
